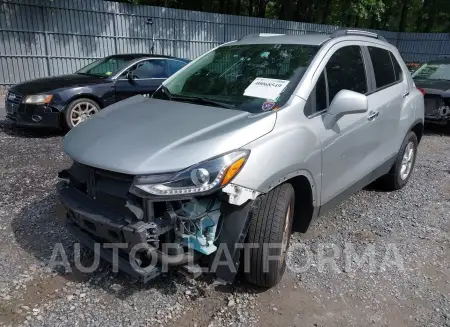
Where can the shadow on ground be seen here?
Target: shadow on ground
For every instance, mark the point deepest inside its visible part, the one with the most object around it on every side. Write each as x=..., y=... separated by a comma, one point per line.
x=38, y=229
x=11, y=129
x=437, y=129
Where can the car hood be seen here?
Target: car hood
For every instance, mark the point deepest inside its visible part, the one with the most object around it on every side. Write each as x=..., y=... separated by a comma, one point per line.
x=144, y=136
x=433, y=86
x=48, y=84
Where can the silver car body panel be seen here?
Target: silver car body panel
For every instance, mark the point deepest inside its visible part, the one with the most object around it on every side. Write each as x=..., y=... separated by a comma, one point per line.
x=150, y=136
x=146, y=136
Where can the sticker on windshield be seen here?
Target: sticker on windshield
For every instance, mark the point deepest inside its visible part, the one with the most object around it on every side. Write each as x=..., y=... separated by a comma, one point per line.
x=266, y=88
x=268, y=105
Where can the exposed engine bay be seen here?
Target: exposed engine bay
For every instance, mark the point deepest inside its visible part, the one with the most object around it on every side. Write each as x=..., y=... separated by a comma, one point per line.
x=101, y=209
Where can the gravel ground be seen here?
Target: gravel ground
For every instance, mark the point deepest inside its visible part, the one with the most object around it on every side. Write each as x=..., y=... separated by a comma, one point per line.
x=408, y=285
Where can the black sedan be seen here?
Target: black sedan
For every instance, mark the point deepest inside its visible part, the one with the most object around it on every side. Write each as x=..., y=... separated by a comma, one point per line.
x=433, y=79
x=64, y=101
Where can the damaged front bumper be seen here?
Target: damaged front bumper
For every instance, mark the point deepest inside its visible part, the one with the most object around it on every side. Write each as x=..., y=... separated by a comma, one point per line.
x=91, y=223
x=149, y=226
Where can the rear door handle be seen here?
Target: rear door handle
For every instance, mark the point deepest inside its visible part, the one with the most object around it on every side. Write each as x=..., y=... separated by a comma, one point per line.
x=373, y=115
x=405, y=94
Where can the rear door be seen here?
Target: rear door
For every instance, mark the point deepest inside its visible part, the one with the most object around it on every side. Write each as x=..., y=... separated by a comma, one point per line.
x=388, y=96
x=147, y=77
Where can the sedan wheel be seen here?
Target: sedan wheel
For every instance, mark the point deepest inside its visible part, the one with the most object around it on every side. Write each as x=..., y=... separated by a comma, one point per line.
x=79, y=111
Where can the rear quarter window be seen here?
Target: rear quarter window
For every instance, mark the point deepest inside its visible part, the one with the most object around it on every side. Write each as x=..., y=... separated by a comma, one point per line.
x=397, y=69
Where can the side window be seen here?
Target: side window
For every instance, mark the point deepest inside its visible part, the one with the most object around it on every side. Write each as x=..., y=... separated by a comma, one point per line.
x=345, y=70
x=175, y=65
x=321, y=93
x=318, y=100
x=397, y=69
x=155, y=68
x=382, y=67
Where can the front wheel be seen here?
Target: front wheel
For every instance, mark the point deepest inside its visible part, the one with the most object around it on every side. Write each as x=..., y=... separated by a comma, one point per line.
x=269, y=234
x=80, y=110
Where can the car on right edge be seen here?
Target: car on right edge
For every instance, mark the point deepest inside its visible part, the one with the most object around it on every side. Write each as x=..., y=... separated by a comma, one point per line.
x=433, y=79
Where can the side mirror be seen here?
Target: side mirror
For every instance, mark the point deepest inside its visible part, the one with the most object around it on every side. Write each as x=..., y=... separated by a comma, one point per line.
x=130, y=76
x=346, y=102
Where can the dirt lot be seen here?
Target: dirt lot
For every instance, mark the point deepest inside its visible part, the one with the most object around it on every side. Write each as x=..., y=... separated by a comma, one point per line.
x=408, y=285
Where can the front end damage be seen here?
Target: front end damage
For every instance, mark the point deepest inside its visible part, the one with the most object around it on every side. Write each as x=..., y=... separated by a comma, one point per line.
x=144, y=235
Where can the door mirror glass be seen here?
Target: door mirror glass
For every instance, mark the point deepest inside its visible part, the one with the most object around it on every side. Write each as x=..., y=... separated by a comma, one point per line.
x=130, y=75
x=346, y=102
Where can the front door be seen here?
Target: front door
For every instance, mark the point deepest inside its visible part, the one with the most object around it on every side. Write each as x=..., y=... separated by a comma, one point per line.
x=143, y=78
x=349, y=147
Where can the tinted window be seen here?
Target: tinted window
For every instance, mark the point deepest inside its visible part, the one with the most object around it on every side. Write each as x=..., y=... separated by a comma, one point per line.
x=382, y=66
x=345, y=70
x=397, y=68
x=317, y=101
x=321, y=93
x=175, y=65
x=154, y=68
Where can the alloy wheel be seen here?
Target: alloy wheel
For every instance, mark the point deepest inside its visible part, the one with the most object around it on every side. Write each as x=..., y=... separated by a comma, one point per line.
x=407, y=161
x=81, y=112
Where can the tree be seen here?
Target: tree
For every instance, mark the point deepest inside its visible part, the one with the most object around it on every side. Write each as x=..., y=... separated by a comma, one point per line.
x=403, y=16
x=393, y=15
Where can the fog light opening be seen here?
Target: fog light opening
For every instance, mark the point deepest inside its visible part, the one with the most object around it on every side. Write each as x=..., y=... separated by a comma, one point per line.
x=36, y=118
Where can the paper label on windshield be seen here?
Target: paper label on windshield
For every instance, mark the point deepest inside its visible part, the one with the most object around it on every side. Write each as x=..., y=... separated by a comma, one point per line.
x=266, y=88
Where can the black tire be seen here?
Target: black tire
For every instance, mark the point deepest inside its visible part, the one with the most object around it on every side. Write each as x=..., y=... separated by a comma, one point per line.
x=68, y=124
x=393, y=181
x=268, y=226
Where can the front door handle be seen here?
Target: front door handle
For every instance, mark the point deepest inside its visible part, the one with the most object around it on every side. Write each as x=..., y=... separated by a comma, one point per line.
x=373, y=115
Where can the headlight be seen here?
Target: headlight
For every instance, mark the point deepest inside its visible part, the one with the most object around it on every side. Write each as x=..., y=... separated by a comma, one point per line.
x=204, y=177
x=39, y=98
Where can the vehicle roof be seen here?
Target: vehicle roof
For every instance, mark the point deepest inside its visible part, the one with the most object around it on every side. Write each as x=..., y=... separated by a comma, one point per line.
x=307, y=39
x=132, y=56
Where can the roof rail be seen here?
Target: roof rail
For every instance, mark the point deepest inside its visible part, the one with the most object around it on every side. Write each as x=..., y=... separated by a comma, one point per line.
x=259, y=35
x=345, y=32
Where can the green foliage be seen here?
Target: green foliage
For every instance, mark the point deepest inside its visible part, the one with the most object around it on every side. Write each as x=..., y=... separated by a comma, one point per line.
x=394, y=15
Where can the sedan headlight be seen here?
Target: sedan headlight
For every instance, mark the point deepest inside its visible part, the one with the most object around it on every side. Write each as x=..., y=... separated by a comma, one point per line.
x=39, y=98
x=204, y=177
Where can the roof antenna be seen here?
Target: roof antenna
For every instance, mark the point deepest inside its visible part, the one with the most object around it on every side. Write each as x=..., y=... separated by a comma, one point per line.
x=150, y=23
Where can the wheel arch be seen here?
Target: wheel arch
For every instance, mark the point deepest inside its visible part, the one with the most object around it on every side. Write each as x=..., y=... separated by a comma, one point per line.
x=417, y=128
x=306, y=197
x=84, y=96
x=305, y=203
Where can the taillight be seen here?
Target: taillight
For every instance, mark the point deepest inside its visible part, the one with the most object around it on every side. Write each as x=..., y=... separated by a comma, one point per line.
x=421, y=91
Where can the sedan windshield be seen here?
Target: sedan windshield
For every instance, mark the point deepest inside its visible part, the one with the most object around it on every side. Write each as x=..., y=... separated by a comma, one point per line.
x=253, y=78
x=434, y=71
x=106, y=67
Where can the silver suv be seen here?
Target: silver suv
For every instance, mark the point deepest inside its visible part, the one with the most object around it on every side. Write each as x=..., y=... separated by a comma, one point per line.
x=250, y=139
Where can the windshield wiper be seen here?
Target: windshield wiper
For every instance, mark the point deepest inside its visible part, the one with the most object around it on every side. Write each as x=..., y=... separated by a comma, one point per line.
x=204, y=100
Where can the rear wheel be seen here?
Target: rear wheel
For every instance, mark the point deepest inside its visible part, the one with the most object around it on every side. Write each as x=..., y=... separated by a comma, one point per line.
x=400, y=173
x=80, y=110
x=270, y=231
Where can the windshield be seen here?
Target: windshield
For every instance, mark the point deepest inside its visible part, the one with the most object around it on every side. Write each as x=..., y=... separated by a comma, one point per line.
x=436, y=71
x=253, y=78
x=106, y=67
